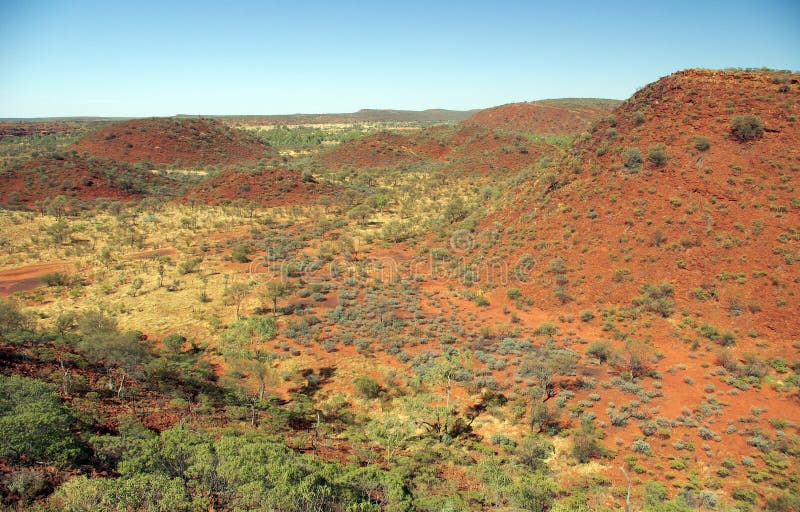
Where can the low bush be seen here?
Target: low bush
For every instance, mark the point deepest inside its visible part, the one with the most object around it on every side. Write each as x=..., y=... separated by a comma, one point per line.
x=747, y=127
x=657, y=155
x=632, y=158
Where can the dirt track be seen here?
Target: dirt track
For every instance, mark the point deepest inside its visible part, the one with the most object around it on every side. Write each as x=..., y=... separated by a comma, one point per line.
x=27, y=278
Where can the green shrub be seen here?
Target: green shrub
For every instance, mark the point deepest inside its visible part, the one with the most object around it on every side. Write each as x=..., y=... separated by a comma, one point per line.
x=585, y=447
x=745, y=495
x=601, y=350
x=640, y=446
x=173, y=343
x=701, y=143
x=11, y=318
x=239, y=253
x=632, y=158
x=747, y=127
x=34, y=422
x=533, y=450
x=657, y=155
x=587, y=315
x=367, y=387
x=546, y=329
x=56, y=279
x=657, y=298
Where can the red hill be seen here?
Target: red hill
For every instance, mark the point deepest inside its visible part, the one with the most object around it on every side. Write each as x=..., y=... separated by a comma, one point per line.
x=267, y=187
x=561, y=117
x=666, y=190
x=178, y=141
x=74, y=177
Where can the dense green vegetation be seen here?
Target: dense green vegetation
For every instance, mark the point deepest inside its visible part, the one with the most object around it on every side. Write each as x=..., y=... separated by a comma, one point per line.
x=298, y=137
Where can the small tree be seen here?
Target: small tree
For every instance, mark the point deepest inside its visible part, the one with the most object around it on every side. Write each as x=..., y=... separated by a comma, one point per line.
x=136, y=285
x=235, y=294
x=635, y=359
x=122, y=354
x=585, y=446
x=391, y=432
x=59, y=232
x=543, y=418
x=273, y=291
x=360, y=214
x=161, y=269
x=456, y=210
x=173, y=343
x=11, y=318
x=600, y=350
x=546, y=365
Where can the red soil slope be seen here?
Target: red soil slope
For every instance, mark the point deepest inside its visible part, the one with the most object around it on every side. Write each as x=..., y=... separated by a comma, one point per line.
x=560, y=117
x=478, y=149
x=718, y=221
x=267, y=187
x=727, y=216
x=74, y=177
x=183, y=142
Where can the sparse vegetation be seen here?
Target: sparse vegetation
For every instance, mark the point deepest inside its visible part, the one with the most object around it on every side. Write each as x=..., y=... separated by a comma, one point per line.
x=452, y=317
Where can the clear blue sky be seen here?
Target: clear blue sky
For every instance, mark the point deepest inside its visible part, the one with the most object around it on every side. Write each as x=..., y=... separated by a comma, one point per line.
x=142, y=58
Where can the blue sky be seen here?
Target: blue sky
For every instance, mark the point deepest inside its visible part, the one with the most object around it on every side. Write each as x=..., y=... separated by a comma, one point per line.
x=68, y=58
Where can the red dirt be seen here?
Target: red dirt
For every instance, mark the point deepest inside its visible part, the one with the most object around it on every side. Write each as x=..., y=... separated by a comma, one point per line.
x=27, y=278
x=181, y=142
x=267, y=187
x=548, y=116
x=74, y=177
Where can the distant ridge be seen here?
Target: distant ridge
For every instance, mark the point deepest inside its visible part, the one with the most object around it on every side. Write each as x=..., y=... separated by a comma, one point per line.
x=362, y=116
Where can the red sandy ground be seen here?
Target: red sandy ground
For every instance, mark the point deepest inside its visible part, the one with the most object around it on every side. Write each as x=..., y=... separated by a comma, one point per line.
x=267, y=187
x=182, y=142
x=72, y=176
